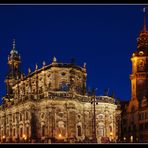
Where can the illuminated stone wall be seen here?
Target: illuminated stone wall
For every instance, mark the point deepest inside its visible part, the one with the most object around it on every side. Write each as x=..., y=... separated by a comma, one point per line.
x=52, y=102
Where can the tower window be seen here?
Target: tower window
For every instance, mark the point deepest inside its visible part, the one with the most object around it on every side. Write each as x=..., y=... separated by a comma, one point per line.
x=78, y=89
x=64, y=86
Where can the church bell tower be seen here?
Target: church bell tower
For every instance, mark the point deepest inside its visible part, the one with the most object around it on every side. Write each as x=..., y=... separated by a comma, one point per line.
x=139, y=76
x=14, y=73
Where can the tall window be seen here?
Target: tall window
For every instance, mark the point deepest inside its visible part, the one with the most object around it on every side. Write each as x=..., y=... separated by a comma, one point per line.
x=14, y=132
x=79, y=130
x=7, y=120
x=7, y=132
x=20, y=117
x=110, y=128
x=43, y=130
x=40, y=89
x=14, y=118
x=27, y=131
x=21, y=132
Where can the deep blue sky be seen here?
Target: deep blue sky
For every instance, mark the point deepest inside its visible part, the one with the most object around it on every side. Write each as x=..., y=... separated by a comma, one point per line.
x=103, y=36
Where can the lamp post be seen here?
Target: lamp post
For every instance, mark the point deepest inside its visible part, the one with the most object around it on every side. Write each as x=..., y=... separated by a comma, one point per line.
x=67, y=126
x=53, y=123
x=94, y=102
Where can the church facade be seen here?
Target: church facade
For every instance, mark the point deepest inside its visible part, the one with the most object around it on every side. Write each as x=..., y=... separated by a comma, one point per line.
x=51, y=104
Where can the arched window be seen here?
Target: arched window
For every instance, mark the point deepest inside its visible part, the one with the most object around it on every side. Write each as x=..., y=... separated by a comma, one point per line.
x=64, y=86
x=21, y=132
x=79, y=130
x=79, y=89
x=14, y=132
x=43, y=130
x=110, y=128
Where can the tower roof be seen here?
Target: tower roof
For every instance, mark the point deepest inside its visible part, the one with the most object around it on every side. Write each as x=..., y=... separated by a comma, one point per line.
x=13, y=59
x=14, y=53
x=142, y=40
x=144, y=24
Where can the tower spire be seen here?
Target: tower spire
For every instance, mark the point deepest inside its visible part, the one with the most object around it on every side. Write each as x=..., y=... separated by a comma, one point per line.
x=144, y=25
x=14, y=44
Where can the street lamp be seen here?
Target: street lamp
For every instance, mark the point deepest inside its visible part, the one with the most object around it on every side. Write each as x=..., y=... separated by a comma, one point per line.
x=94, y=102
x=111, y=134
x=60, y=135
x=24, y=138
x=4, y=138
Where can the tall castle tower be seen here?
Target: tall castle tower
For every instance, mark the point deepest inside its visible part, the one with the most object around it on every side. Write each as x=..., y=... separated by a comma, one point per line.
x=14, y=74
x=135, y=112
x=139, y=76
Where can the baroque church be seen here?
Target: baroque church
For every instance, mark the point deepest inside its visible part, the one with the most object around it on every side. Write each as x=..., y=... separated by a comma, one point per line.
x=135, y=112
x=51, y=104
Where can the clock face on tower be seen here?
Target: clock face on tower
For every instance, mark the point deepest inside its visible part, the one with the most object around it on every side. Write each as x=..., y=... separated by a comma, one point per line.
x=140, y=65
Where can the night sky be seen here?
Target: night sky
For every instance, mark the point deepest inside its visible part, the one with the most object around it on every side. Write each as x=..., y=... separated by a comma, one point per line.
x=103, y=36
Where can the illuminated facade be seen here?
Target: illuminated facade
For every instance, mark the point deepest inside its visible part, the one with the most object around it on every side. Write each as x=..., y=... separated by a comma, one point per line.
x=52, y=103
x=135, y=113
